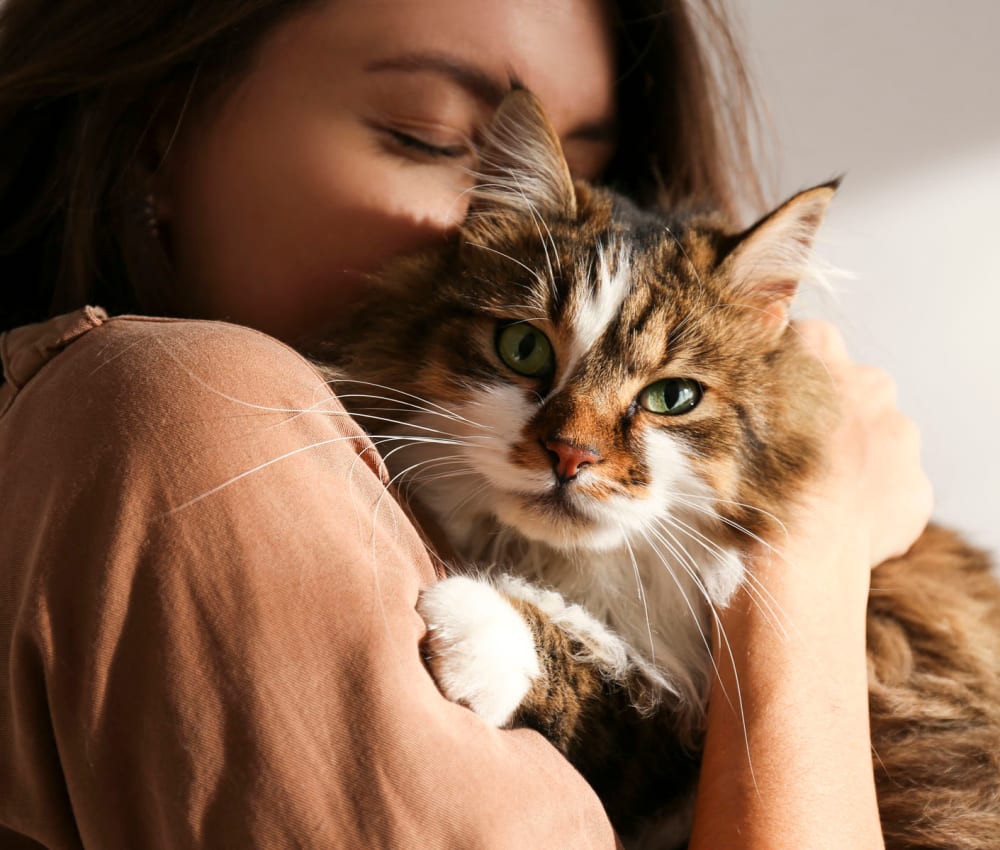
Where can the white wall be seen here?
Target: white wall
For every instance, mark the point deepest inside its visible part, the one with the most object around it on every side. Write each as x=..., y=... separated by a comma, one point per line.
x=903, y=97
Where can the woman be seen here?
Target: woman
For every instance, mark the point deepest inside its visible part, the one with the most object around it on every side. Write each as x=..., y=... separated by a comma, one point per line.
x=208, y=630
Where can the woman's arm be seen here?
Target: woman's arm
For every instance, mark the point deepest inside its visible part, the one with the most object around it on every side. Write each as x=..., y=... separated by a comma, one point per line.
x=208, y=630
x=788, y=760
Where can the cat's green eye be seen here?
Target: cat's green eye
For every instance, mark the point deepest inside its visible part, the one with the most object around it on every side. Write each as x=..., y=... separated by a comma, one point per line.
x=671, y=397
x=526, y=350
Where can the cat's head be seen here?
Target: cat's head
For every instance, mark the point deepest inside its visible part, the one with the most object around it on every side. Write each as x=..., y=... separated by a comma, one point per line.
x=578, y=370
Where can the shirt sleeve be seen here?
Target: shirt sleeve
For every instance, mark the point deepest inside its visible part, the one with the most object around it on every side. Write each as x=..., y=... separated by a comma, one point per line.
x=209, y=621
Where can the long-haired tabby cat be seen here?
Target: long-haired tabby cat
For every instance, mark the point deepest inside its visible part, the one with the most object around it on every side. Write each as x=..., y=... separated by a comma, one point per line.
x=603, y=406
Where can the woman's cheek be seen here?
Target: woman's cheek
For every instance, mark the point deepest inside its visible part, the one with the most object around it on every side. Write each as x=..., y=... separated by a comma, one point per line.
x=280, y=233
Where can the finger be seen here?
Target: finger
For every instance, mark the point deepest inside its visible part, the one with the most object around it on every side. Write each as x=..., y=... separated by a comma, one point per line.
x=873, y=386
x=823, y=340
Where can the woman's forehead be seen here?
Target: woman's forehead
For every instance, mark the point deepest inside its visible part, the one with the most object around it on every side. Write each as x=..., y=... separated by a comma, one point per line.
x=563, y=50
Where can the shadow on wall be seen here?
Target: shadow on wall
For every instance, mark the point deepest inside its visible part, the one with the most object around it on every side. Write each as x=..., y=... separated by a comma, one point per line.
x=901, y=95
x=875, y=87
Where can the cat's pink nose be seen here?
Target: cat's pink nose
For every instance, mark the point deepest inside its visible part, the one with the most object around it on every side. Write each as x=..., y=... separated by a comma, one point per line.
x=569, y=459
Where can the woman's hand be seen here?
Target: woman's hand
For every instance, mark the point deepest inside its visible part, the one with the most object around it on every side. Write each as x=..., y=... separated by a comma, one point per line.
x=787, y=759
x=873, y=489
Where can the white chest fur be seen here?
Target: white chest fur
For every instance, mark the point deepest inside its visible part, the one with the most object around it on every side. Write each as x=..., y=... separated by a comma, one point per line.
x=655, y=593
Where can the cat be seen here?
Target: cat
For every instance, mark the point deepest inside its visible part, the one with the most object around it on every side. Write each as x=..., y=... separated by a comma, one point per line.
x=602, y=406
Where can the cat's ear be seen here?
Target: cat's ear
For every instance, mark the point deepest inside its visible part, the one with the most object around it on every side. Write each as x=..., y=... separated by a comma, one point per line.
x=767, y=262
x=522, y=170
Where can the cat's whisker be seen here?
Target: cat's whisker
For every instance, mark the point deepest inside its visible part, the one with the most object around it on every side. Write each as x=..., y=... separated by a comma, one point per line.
x=453, y=440
x=760, y=595
x=687, y=561
x=525, y=321
x=392, y=481
x=764, y=600
x=724, y=638
x=688, y=497
x=415, y=482
x=378, y=440
x=499, y=253
x=714, y=549
x=406, y=442
x=452, y=458
x=679, y=244
x=448, y=460
x=731, y=523
x=234, y=479
x=536, y=219
x=479, y=440
x=679, y=555
x=423, y=480
x=642, y=593
x=542, y=315
x=421, y=399
x=530, y=291
x=476, y=492
x=552, y=242
x=553, y=287
x=407, y=424
x=885, y=768
x=391, y=485
x=410, y=407
x=263, y=408
x=677, y=335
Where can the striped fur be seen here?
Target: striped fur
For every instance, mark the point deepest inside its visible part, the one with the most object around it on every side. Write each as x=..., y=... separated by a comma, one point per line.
x=646, y=541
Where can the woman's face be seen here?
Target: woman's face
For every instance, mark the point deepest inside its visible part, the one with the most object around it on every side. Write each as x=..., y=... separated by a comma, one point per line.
x=347, y=143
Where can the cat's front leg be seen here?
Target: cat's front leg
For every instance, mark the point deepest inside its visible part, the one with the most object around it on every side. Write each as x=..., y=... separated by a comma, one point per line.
x=478, y=647
x=518, y=654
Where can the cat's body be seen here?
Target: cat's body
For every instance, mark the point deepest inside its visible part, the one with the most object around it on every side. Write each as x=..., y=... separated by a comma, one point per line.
x=607, y=403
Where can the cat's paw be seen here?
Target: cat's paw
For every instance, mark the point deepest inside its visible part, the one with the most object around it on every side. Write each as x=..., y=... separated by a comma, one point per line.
x=479, y=649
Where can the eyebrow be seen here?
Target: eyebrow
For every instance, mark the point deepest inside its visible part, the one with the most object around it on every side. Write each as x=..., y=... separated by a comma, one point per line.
x=483, y=86
x=474, y=80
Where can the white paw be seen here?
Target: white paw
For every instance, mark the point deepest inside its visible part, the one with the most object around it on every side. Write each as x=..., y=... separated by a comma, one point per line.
x=479, y=649
x=599, y=645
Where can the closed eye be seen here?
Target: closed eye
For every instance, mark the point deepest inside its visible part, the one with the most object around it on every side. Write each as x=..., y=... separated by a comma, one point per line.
x=425, y=148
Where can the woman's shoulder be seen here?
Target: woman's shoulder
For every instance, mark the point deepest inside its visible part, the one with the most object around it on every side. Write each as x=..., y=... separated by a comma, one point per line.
x=129, y=395
x=120, y=420
x=133, y=345
x=151, y=363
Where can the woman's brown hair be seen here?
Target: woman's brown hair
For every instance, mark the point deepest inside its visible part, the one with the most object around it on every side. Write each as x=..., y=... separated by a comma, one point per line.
x=83, y=81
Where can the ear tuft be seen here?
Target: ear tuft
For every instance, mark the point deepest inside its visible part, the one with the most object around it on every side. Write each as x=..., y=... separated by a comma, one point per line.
x=769, y=260
x=522, y=169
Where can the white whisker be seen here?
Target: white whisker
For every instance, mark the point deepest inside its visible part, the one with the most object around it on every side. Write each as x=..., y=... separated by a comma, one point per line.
x=724, y=638
x=719, y=553
x=530, y=271
x=642, y=594
x=749, y=507
x=731, y=523
x=444, y=410
x=258, y=468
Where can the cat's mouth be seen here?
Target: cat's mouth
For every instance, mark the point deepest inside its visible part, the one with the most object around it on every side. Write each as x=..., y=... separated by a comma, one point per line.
x=561, y=504
x=559, y=517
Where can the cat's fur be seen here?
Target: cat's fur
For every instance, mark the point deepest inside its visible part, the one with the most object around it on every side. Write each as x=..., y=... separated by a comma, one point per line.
x=643, y=534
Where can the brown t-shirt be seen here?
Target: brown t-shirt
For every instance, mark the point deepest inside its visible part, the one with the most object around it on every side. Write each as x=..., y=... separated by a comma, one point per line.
x=207, y=625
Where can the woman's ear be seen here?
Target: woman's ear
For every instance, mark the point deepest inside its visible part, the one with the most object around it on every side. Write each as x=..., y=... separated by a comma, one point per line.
x=763, y=269
x=154, y=163
x=522, y=170
x=148, y=206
